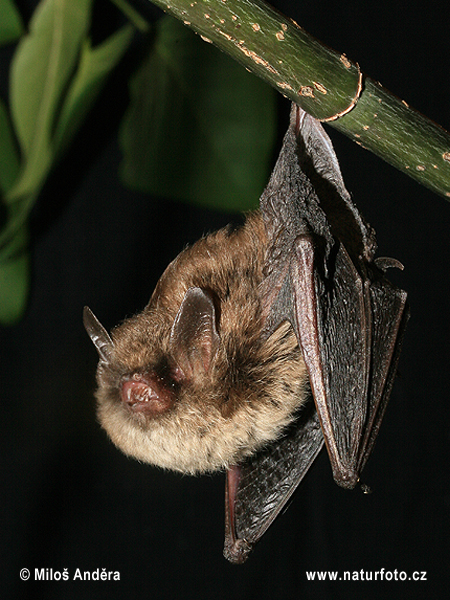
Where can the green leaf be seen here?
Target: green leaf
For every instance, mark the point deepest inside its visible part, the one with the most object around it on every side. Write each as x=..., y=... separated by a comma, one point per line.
x=132, y=15
x=11, y=27
x=42, y=66
x=199, y=127
x=55, y=78
x=17, y=215
x=9, y=159
x=14, y=279
x=94, y=67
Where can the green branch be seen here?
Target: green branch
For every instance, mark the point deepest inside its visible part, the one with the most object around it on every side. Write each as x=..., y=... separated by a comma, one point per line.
x=326, y=84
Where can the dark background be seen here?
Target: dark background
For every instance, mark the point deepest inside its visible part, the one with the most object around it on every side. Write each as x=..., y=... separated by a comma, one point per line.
x=69, y=499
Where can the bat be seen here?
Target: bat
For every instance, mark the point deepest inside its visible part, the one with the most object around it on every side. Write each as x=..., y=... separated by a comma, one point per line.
x=261, y=343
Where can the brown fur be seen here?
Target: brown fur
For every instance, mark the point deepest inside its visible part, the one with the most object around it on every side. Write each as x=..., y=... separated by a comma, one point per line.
x=252, y=388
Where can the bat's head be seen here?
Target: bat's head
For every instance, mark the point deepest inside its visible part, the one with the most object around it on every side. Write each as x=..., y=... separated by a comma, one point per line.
x=190, y=384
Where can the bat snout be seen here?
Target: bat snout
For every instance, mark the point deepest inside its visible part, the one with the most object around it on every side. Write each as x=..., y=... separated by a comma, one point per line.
x=146, y=395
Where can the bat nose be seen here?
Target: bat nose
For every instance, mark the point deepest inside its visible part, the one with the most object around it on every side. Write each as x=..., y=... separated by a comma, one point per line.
x=146, y=396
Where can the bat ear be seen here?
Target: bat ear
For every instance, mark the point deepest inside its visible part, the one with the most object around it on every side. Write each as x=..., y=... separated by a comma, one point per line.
x=98, y=334
x=194, y=338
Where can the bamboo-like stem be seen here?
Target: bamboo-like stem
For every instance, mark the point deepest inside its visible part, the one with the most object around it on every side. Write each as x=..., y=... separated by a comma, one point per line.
x=403, y=137
x=276, y=49
x=326, y=84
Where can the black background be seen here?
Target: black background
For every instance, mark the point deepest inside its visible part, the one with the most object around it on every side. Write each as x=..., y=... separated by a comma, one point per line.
x=69, y=499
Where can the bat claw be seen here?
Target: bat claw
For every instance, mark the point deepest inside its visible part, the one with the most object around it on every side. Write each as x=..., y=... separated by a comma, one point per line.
x=366, y=489
x=385, y=262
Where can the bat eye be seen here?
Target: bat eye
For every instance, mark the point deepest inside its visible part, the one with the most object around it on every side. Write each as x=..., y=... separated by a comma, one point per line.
x=146, y=395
